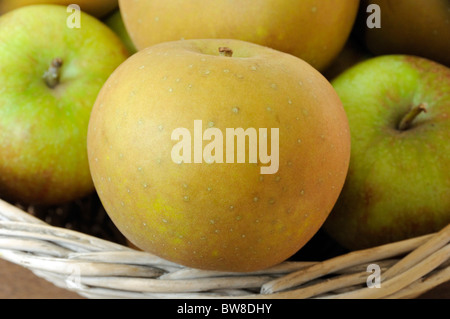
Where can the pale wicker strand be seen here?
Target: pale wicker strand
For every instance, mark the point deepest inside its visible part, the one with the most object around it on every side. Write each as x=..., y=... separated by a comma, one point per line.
x=38, y=247
x=314, y=289
x=329, y=285
x=14, y=213
x=175, y=286
x=341, y=262
x=175, y=271
x=65, y=237
x=438, y=241
x=102, y=293
x=95, y=291
x=422, y=285
x=113, y=293
x=401, y=281
x=69, y=267
x=281, y=269
x=384, y=264
x=132, y=257
x=349, y=278
x=96, y=268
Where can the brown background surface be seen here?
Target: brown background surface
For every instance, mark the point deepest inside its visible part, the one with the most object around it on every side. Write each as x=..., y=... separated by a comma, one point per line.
x=17, y=282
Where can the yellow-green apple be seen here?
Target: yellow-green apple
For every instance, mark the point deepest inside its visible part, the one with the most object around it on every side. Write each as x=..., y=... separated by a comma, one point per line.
x=49, y=82
x=412, y=27
x=179, y=142
x=314, y=30
x=398, y=184
x=115, y=22
x=98, y=8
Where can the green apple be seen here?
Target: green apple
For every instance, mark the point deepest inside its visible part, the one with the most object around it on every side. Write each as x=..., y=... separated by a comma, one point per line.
x=50, y=76
x=313, y=30
x=97, y=8
x=398, y=184
x=115, y=22
x=200, y=207
x=413, y=27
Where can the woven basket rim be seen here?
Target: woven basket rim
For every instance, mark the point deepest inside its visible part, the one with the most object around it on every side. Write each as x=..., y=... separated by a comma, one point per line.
x=97, y=268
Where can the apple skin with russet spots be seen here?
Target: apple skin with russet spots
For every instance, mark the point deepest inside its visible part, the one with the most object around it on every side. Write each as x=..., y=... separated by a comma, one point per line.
x=313, y=30
x=217, y=215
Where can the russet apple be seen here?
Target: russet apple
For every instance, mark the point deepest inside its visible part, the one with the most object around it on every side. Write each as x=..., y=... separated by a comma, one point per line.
x=97, y=8
x=398, y=184
x=163, y=156
x=48, y=84
x=314, y=30
x=413, y=27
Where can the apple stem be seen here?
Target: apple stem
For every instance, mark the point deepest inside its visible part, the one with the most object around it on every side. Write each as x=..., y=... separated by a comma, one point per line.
x=52, y=75
x=224, y=51
x=407, y=120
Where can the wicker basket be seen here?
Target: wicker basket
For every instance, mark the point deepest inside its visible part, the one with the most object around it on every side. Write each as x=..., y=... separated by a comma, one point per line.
x=97, y=268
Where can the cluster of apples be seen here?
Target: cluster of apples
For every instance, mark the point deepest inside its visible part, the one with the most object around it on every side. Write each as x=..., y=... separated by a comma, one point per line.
x=361, y=145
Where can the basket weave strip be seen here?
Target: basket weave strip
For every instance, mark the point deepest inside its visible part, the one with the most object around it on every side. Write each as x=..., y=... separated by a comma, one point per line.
x=366, y=256
x=414, y=290
x=96, y=268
